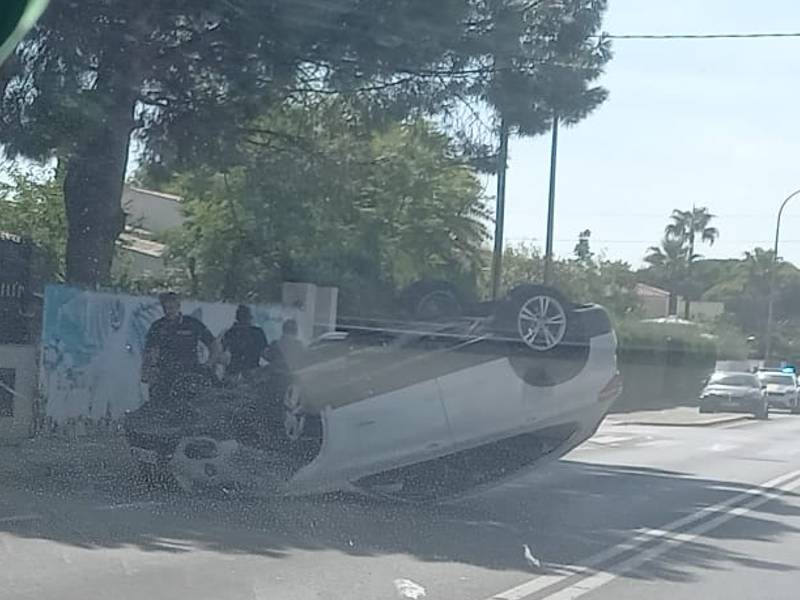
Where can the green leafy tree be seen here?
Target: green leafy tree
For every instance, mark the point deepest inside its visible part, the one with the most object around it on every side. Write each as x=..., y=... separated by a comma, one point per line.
x=32, y=205
x=185, y=78
x=597, y=279
x=366, y=210
x=668, y=262
x=182, y=76
x=689, y=227
x=583, y=251
x=743, y=285
x=546, y=56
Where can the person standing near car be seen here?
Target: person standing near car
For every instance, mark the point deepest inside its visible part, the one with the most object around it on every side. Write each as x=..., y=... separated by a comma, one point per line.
x=171, y=348
x=244, y=342
x=288, y=352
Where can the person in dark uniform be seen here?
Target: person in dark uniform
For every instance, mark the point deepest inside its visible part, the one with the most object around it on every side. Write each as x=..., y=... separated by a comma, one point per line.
x=245, y=342
x=171, y=348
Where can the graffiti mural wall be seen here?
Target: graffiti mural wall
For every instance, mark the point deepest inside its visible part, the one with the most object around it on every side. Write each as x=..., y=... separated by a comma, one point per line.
x=92, y=345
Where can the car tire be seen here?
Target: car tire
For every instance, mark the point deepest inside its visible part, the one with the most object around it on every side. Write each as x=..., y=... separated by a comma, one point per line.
x=537, y=315
x=433, y=300
x=705, y=410
x=763, y=413
x=796, y=408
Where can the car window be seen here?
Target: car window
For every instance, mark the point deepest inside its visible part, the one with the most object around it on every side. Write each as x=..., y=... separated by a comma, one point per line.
x=741, y=380
x=777, y=378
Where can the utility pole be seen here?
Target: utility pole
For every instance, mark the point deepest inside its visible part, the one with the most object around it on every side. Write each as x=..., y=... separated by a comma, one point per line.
x=502, y=164
x=771, y=297
x=551, y=203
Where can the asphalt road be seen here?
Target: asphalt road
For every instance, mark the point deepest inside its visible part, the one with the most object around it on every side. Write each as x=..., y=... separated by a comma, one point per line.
x=637, y=512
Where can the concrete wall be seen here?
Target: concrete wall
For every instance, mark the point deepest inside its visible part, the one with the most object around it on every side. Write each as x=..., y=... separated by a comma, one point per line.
x=317, y=307
x=700, y=310
x=654, y=306
x=92, y=343
x=17, y=362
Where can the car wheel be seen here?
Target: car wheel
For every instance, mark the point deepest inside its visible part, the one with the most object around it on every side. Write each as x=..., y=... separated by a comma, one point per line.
x=796, y=407
x=705, y=410
x=537, y=315
x=433, y=300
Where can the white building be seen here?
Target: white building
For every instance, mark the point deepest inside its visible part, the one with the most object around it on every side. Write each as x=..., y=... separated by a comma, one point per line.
x=148, y=216
x=654, y=301
x=655, y=304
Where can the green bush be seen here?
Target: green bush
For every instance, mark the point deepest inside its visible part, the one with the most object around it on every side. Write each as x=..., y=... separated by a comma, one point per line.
x=663, y=364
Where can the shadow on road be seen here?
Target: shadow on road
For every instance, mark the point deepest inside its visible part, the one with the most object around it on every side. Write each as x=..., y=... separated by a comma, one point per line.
x=565, y=513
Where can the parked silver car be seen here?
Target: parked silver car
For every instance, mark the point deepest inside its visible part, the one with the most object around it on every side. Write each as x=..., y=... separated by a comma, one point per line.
x=734, y=392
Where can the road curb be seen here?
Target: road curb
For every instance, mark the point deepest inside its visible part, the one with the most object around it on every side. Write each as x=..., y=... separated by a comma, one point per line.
x=707, y=423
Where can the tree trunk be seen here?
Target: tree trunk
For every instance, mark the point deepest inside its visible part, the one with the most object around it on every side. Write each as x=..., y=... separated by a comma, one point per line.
x=688, y=286
x=231, y=287
x=95, y=174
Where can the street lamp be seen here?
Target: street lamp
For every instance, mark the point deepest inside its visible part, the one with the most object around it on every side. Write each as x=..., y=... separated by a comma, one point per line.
x=771, y=297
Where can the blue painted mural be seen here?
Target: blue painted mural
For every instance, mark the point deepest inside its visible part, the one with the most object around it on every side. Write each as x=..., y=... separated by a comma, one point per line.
x=92, y=344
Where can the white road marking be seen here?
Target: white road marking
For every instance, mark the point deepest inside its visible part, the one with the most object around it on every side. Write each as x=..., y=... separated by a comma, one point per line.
x=671, y=540
x=609, y=439
x=566, y=571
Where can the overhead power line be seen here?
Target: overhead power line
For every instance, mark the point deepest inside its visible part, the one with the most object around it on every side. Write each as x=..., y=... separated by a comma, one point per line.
x=644, y=241
x=700, y=36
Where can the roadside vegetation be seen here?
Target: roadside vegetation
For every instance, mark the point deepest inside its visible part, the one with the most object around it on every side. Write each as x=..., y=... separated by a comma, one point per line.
x=351, y=158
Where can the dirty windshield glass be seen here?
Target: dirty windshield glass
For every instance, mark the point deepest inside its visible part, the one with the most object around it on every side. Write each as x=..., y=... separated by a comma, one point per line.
x=408, y=299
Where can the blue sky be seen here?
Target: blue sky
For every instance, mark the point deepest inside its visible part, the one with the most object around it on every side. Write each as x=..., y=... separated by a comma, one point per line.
x=715, y=123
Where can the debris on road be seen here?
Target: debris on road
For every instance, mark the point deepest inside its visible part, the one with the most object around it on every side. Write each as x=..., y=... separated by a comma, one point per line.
x=530, y=559
x=409, y=589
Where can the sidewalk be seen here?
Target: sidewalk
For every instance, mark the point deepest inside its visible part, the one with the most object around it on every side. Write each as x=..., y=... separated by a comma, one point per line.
x=682, y=416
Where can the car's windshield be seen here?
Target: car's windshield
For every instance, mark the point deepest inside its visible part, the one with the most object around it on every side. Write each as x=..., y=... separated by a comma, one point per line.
x=734, y=379
x=399, y=299
x=777, y=379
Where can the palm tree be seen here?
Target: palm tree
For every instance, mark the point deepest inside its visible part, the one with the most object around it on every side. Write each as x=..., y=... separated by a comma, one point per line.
x=686, y=227
x=759, y=263
x=669, y=263
x=759, y=267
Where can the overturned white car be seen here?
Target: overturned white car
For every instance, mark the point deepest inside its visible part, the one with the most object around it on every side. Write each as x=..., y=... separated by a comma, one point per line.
x=419, y=409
